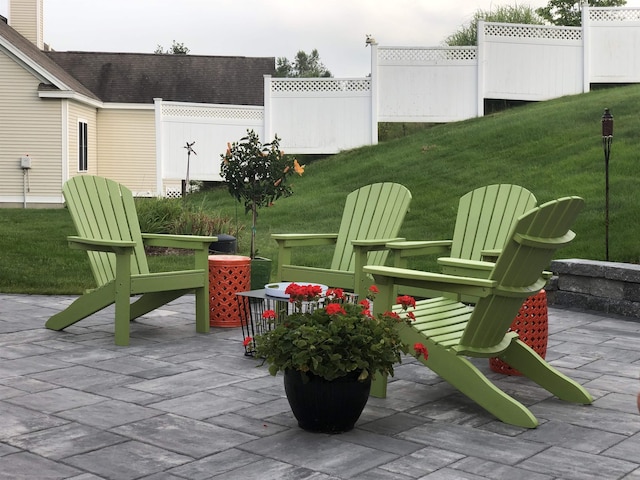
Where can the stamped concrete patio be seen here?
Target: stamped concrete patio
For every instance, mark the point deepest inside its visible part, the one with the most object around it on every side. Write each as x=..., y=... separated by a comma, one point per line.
x=180, y=405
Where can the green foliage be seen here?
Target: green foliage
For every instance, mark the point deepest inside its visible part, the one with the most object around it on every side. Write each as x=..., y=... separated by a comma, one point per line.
x=174, y=216
x=332, y=346
x=176, y=49
x=256, y=174
x=303, y=66
x=468, y=33
x=569, y=12
x=201, y=223
x=156, y=215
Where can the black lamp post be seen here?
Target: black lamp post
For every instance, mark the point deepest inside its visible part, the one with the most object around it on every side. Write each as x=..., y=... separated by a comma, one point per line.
x=607, y=139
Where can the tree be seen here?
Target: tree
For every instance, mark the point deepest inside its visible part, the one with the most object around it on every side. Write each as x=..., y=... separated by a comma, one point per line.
x=303, y=66
x=176, y=49
x=569, y=12
x=468, y=34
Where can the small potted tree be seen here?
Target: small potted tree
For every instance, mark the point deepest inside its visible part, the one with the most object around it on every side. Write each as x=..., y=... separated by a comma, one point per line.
x=256, y=174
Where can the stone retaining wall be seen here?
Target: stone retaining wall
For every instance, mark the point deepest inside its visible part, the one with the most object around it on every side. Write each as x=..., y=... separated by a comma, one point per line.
x=607, y=287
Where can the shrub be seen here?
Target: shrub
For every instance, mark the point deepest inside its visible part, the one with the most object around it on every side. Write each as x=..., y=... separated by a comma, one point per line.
x=156, y=215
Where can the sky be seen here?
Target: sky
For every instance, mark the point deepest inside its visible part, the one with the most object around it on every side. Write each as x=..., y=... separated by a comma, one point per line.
x=260, y=28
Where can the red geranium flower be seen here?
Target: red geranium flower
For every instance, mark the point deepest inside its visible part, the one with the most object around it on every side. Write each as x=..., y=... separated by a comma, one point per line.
x=335, y=293
x=334, y=309
x=392, y=315
x=247, y=341
x=406, y=301
x=420, y=349
x=269, y=314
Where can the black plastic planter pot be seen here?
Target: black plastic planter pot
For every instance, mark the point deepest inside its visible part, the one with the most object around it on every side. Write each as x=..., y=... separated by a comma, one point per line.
x=328, y=406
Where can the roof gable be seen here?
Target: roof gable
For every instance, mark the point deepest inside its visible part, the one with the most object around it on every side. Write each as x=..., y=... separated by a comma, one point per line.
x=51, y=74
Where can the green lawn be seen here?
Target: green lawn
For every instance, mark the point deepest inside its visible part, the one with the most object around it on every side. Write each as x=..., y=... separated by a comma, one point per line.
x=552, y=148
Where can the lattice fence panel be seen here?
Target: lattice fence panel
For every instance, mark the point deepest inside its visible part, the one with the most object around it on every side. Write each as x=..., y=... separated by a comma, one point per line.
x=532, y=31
x=191, y=111
x=614, y=15
x=320, y=85
x=422, y=55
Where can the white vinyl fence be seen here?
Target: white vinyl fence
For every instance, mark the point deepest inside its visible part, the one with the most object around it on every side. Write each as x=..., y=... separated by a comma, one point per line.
x=408, y=84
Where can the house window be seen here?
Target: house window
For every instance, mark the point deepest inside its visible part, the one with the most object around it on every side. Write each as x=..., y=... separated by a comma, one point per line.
x=83, y=149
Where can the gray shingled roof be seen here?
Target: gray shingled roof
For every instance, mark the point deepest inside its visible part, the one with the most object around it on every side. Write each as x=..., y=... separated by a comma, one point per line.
x=141, y=77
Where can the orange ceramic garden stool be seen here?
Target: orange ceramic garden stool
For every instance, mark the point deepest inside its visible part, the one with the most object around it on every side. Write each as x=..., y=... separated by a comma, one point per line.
x=228, y=275
x=532, y=324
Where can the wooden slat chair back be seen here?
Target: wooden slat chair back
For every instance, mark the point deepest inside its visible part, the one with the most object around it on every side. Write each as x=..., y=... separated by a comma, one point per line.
x=372, y=215
x=452, y=330
x=102, y=209
x=485, y=218
x=371, y=212
x=518, y=271
x=105, y=218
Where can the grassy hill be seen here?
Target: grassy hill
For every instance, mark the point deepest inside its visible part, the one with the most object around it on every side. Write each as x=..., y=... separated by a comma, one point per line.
x=553, y=148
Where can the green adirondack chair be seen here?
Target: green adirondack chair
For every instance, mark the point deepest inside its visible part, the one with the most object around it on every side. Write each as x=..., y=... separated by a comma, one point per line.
x=372, y=216
x=484, y=219
x=105, y=218
x=452, y=330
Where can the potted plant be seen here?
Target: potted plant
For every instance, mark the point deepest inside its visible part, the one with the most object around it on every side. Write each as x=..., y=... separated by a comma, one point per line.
x=256, y=174
x=329, y=350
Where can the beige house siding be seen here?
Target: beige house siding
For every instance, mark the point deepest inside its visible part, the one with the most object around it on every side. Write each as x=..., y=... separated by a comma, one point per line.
x=127, y=148
x=25, y=16
x=32, y=126
x=77, y=113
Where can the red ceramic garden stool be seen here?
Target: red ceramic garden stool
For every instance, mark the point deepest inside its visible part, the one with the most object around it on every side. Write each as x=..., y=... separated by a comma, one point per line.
x=532, y=324
x=228, y=275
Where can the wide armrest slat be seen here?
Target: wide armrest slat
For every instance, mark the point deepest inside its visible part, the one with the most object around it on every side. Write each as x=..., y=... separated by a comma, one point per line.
x=420, y=247
x=191, y=242
x=304, y=239
x=428, y=277
x=99, y=244
x=375, y=242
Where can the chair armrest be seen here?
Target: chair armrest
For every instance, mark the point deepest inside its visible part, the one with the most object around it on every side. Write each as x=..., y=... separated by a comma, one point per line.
x=389, y=277
x=490, y=255
x=304, y=239
x=401, y=251
x=375, y=243
x=465, y=268
x=190, y=242
x=100, y=245
x=420, y=247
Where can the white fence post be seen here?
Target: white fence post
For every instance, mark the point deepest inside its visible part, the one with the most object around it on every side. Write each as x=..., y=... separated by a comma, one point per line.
x=480, y=54
x=267, y=125
x=374, y=93
x=159, y=150
x=586, y=48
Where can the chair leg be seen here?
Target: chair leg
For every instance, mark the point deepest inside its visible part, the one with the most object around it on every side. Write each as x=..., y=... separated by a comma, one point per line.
x=150, y=301
x=379, y=386
x=82, y=307
x=463, y=375
x=524, y=359
x=202, y=310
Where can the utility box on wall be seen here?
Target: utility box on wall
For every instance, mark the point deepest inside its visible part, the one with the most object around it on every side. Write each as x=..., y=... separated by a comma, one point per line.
x=25, y=162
